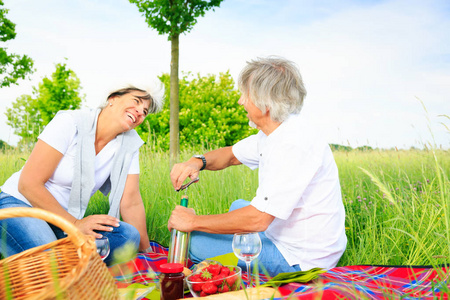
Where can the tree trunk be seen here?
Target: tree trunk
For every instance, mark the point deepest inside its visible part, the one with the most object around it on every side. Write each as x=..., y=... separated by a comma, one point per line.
x=174, y=102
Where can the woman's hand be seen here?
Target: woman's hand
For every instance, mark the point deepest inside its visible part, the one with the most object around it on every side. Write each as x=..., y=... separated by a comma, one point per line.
x=88, y=224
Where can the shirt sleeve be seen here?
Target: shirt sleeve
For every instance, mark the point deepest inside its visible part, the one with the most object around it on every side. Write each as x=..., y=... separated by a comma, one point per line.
x=246, y=151
x=59, y=132
x=134, y=166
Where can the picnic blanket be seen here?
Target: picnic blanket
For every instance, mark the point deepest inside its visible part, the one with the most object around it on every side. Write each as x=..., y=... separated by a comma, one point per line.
x=350, y=282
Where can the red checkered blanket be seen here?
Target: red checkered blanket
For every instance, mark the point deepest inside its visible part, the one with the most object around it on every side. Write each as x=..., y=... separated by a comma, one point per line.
x=351, y=282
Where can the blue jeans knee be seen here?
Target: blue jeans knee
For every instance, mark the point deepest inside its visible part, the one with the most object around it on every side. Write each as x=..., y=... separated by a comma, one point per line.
x=119, y=237
x=240, y=203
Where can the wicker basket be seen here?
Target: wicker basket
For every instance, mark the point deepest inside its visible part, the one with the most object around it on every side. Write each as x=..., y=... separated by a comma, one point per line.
x=68, y=268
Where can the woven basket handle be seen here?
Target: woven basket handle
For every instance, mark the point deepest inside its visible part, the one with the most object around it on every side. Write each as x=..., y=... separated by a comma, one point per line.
x=76, y=236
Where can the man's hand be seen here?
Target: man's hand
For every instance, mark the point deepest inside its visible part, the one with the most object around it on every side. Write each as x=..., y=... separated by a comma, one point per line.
x=182, y=219
x=180, y=172
x=96, y=222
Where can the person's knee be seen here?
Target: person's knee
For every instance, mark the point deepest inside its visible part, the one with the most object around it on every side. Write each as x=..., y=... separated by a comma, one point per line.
x=239, y=204
x=196, y=246
x=130, y=233
x=207, y=245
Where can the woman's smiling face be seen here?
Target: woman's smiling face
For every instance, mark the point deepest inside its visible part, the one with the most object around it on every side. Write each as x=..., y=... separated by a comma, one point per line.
x=130, y=108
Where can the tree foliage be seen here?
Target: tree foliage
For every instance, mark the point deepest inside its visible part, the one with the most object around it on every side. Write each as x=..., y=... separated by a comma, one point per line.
x=209, y=114
x=60, y=92
x=25, y=118
x=12, y=66
x=173, y=17
x=30, y=113
x=5, y=146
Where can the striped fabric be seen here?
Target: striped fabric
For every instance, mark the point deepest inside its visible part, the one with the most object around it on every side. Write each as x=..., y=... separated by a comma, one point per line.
x=351, y=282
x=376, y=282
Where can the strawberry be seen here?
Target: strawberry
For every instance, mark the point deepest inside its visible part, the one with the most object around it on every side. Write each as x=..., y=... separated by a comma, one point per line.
x=218, y=279
x=205, y=275
x=209, y=288
x=225, y=271
x=214, y=269
x=203, y=294
x=224, y=288
x=195, y=278
x=231, y=279
x=196, y=286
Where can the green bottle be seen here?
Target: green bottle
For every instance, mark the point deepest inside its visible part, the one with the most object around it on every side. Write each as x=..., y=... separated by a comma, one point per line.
x=179, y=242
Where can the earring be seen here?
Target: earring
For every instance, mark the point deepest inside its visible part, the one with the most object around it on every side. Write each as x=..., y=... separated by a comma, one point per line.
x=110, y=104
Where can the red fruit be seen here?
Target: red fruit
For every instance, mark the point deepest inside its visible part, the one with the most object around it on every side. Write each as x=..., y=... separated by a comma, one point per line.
x=195, y=278
x=203, y=294
x=214, y=269
x=205, y=275
x=218, y=279
x=223, y=289
x=209, y=288
x=231, y=279
x=225, y=271
x=196, y=286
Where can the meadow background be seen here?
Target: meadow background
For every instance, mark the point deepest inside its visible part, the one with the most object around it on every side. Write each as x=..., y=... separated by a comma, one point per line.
x=365, y=79
x=397, y=201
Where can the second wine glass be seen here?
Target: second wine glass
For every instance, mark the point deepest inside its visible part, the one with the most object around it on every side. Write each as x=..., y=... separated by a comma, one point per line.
x=247, y=246
x=103, y=247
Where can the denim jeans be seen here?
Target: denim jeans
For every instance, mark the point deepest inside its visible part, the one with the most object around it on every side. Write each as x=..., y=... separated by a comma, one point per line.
x=19, y=234
x=206, y=245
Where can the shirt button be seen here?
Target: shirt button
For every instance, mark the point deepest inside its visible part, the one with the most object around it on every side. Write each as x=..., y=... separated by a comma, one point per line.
x=260, y=154
x=265, y=198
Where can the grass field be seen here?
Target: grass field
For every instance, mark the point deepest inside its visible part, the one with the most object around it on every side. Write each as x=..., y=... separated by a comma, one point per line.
x=397, y=202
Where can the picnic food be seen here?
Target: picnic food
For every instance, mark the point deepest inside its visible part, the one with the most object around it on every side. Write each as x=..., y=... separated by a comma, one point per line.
x=187, y=272
x=171, y=281
x=214, y=279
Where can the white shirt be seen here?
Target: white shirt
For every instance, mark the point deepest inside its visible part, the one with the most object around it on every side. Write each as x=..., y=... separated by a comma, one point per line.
x=61, y=134
x=299, y=186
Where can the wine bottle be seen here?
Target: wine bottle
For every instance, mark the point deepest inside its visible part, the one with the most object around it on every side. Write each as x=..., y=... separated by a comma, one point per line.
x=179, y=242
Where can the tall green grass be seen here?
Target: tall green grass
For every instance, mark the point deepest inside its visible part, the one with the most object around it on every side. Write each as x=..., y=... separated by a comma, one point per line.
x=397, y=205
x=397, y=202
x=10, y=162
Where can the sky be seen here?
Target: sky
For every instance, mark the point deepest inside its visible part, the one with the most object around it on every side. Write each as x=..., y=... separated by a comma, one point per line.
x=377, y=73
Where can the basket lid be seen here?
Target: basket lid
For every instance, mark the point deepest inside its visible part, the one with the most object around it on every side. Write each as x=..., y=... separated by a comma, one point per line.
x=171, y=268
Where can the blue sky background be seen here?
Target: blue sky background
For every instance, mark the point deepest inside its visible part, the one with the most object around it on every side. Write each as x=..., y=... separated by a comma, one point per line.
x=365, y=64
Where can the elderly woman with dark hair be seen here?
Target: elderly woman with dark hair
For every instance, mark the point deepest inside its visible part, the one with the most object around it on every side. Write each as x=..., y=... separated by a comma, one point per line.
x=78, y=153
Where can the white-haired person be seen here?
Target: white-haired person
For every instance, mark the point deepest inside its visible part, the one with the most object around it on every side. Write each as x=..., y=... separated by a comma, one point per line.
x=297, y=209
x=78, y=153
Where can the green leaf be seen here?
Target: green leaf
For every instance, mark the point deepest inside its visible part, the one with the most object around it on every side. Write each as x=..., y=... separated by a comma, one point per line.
x=299, y=277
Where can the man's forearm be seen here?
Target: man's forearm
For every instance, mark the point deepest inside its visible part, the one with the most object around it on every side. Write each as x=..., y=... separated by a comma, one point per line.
x=220, y=159
x=247, y=219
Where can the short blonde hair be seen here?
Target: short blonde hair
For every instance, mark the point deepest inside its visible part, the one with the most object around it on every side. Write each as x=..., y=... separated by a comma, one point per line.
x=273, y=83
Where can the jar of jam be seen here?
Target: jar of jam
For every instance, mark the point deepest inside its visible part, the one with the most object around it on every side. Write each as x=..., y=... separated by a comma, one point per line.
x=171, y=281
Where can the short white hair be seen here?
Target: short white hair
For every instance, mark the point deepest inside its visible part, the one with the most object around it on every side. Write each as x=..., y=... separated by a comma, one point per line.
x=273, y=83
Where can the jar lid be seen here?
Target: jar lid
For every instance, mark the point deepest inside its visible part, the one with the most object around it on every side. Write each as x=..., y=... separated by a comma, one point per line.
x=171, y=268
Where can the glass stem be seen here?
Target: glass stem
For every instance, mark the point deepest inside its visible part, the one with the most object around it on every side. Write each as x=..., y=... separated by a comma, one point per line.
x=249, y=274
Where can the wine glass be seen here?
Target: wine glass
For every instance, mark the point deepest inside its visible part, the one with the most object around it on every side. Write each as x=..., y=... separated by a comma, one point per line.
x=247, y=246
x=102, y=247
